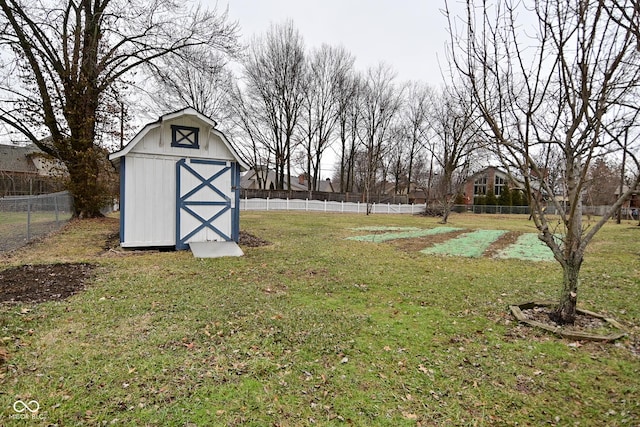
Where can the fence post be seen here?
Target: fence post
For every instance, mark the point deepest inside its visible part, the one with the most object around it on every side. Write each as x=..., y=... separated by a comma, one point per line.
x=325, y=205
x=287, y=204
x=267, y=204
x=29, y=210
x=306, y=205
x=55, y=205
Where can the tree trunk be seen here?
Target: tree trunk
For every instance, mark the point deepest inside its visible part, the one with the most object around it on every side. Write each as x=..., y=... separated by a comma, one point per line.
x=565, y=313
x=445, y=215
x=445, y=191
x=573, y=253
x=89, y=195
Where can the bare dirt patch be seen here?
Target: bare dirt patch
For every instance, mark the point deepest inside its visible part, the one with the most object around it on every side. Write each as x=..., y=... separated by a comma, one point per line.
x=45, y=282
x=112, y=244
x=112, y=241
x=503, y=242
x=251, y=241
x=583, y=322
x=419, y=243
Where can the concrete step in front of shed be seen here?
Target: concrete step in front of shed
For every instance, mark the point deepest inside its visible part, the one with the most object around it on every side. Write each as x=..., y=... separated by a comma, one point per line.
x=215, y=249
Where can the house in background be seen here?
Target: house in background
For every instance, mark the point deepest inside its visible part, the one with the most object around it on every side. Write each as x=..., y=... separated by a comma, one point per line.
x=324, y=186
x=631, y=207
x=490, y=179
x=417, y=195
x=267, y=177
x=28, y=170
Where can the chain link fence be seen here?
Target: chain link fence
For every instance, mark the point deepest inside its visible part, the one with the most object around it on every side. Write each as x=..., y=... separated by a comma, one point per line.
x=24, y=218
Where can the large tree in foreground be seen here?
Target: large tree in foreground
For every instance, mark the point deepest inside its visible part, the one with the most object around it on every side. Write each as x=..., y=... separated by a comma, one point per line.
x=63, y=58
x=560, y=75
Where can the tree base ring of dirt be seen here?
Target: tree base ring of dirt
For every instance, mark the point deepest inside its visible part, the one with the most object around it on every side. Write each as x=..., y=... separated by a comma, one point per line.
x=519, y=313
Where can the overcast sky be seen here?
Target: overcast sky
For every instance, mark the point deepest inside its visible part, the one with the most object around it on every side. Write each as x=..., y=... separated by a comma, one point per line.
x=409, y=35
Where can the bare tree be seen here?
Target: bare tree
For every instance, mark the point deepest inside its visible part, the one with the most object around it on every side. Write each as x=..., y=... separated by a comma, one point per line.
x=274, y=73
x=381, y=102
x=412, y=128
x=568, y=81
x=248, y=126
x=397, y=159
x=327, y=70
x=65, y=55
x=603, y=183
x=349, y=99
x=455, y=140
x=198, y=78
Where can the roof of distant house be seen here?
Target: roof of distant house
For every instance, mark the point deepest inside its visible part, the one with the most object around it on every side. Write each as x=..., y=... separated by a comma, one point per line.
x=15, y=159
x=299, y=183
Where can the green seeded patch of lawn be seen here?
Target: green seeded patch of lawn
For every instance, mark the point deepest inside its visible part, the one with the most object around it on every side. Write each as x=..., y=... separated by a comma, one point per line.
x=527, y=247
x=471, y=245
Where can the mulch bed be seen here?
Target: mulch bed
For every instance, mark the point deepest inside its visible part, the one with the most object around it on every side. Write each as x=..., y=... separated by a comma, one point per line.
x=45, y=282
x=584, y=324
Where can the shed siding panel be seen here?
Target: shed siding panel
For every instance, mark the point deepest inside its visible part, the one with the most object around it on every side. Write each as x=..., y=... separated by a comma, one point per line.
x=217, y=149
x=150, y=198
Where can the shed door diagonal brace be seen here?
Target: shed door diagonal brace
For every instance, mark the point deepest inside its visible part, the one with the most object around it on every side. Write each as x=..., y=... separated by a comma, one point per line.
x=186, y=203
x=208, y=223
x=205, y=182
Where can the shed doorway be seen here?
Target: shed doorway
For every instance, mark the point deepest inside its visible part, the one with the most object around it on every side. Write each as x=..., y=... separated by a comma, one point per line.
x=206, y=202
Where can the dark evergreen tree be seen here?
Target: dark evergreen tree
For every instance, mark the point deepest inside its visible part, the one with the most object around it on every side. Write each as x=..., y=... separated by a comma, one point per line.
x=505, y=197
x=491, y=199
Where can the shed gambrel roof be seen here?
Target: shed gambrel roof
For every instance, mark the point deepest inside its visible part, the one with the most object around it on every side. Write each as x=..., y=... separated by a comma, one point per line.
x=175, y=115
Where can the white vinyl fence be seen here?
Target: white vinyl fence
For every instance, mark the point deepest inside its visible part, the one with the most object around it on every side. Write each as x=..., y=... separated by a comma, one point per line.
x=396, y=208
x=326, y=206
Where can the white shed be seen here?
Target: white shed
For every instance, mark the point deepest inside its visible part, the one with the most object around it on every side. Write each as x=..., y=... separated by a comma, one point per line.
x=180, y=187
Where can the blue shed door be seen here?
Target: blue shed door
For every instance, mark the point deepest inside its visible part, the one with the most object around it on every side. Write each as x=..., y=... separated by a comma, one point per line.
x=206, y=201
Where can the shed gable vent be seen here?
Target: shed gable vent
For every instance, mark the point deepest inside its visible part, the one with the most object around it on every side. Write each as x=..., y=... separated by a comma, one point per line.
x=184, y=136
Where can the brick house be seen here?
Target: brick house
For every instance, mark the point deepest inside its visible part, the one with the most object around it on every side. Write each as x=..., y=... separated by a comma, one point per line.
x=487, y=180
